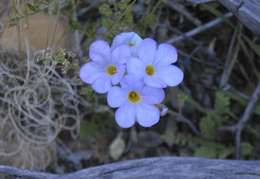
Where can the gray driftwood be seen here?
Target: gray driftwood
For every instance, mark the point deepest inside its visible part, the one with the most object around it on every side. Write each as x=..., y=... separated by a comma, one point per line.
x=247, y=11
x=155, y=168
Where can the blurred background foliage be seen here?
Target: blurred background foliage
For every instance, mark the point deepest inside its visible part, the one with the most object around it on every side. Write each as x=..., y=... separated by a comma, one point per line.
x=219, y=56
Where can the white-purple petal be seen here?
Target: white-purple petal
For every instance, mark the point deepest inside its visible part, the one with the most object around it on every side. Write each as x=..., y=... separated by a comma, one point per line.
x=166, y=54
x=120, y=54
x=91, y=71
x=136, y=66
x=170, y=74
x=146, y=50
x=99, y=51
x=102, y=84
x=147, y=114
x=132, y=82
x=125, y=115
x=152, y=95
x=116, y=97
x=154, y=81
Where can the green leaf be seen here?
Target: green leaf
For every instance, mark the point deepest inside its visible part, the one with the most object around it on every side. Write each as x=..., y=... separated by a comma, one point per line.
x=193, y=102
x=91, y=31
x=107, y=23
x=87, y=129
x=123, y=4
x=105, y=10
x=241, y=100
x=212, y=150
x=31, y=7
x=221, y=103
x=75, y=25
x=223, y=152
x=169, y=134
x=206, y=152
x=150, y=19
x=246, y=148
x=169, y=138
x=209, y=125
x=254, y=46
x=26, y=13
x=116, y=17
x=249, y=56
x=221, y=106
x=141, y=28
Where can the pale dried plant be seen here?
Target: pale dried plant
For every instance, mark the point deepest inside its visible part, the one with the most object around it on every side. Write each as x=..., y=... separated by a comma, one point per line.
x=34, y=109
x=36, y=104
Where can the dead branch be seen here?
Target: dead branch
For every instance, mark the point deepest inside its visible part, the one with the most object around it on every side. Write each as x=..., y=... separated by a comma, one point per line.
x=198, y=30
x=238, y=128
x=154, y=168
x=246, y=11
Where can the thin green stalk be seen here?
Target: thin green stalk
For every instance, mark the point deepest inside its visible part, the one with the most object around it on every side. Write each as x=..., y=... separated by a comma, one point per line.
x=63, y=33
x=56, y=24
x=117, y=21
x=156, y=6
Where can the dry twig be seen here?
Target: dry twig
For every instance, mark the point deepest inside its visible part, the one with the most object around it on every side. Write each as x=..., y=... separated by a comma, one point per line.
x=179, y=117
x=180, y=8
x=230, y=61
x=238, y=128
x=199, y=29
x=246, y=11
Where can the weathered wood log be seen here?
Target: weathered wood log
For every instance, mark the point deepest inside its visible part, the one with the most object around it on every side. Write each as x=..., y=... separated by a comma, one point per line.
x=155, y=168
x=247, y=11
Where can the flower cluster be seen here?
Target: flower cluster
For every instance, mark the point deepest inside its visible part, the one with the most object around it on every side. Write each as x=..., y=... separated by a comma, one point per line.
x=133, y=71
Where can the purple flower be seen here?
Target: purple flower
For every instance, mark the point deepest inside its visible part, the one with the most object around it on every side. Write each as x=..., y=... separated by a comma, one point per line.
x=107, y=66
x=136, y=102
x=130, y=38
x=154, y=64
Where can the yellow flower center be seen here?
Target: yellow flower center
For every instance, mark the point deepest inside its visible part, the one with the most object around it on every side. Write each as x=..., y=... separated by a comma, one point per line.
x=134, y=97
x=131, y=44
x=157, y=105
x=111, y=69
x=149, y=70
